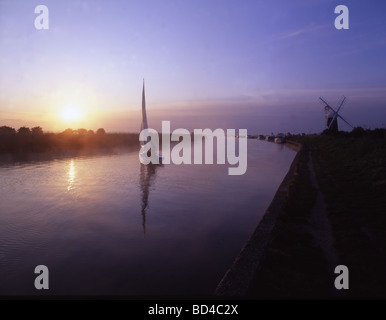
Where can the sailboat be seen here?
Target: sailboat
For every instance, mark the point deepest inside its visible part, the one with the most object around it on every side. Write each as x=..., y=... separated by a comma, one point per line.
x=144, y=153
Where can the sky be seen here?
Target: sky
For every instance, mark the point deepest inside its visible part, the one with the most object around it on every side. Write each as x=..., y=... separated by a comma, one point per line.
x=236, y=64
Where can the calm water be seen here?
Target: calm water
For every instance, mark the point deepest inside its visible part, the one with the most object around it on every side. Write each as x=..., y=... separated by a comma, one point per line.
x=106, y=225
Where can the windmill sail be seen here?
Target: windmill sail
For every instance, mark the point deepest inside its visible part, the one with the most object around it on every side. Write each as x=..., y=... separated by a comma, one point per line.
x=332, y=115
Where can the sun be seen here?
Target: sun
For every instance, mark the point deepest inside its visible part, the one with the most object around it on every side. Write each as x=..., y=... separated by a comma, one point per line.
x=72, y=113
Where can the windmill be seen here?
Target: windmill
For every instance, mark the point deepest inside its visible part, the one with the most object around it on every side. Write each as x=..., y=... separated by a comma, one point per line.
x=332, y=115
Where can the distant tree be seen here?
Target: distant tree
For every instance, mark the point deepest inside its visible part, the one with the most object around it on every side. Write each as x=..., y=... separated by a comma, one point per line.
x=90, y=132
x=81, y=131
x=101, y=131
x=7, y=131
x=24, y=131
x=37, y=131
x=358, y=132
x=68, y=131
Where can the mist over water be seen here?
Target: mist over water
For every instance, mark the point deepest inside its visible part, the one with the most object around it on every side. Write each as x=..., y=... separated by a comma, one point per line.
x=107, y=225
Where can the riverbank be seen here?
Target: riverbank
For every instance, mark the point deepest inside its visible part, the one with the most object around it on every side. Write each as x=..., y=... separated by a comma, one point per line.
x=333, y=213
x=238, y=278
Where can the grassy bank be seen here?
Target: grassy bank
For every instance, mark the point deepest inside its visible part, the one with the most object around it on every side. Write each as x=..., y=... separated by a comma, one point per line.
x=350, y=171
x=294, y=265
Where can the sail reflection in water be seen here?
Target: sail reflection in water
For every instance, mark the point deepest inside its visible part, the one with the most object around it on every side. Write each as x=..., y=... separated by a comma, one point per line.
x=147, y=176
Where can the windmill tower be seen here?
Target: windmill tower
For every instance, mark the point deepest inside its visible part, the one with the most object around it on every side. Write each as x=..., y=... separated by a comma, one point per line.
x=332, y=115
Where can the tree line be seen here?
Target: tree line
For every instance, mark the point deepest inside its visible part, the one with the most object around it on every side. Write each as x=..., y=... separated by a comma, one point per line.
x=35, y=139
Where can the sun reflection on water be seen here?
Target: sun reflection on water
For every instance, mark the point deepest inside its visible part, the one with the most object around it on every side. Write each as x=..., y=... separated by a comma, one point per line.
x=71, y=176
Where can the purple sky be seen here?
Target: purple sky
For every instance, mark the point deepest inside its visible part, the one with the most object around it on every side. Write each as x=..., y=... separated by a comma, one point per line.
x=259, y=65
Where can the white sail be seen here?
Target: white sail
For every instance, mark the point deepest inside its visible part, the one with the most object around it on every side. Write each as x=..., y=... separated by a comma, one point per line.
x=144, y=117
x=154, y=158
x=144, y=125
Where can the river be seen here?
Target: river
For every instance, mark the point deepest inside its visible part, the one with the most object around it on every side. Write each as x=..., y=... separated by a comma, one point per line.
x=107, y=225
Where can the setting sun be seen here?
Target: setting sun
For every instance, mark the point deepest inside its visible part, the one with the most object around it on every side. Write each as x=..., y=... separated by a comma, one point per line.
x=72, y=113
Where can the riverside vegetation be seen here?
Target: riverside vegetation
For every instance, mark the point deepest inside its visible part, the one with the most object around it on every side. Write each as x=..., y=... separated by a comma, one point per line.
x=24, y=141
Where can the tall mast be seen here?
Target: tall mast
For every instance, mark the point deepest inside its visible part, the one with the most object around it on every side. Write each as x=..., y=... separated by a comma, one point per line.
x=144, y=117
